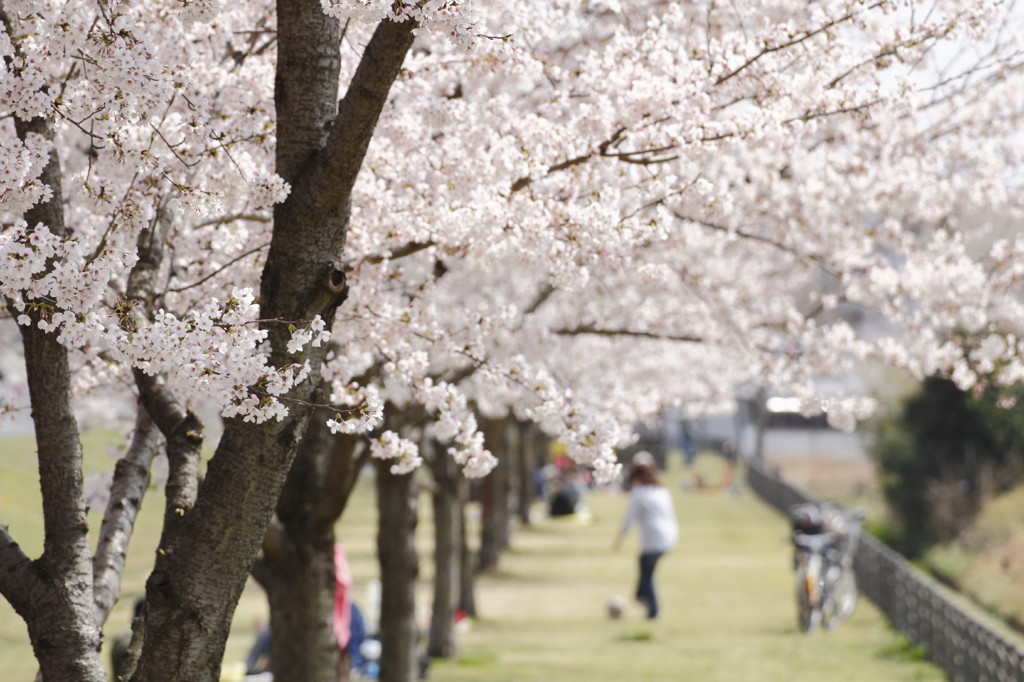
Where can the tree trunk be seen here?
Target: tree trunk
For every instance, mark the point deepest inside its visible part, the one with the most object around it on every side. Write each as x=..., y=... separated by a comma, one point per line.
x=56, y=597
x=447, y=558
x=192, y=593
x=399, y=567
x=487, y=554
x=467, y=567
x=525, y=462
x=301, y=597
x=297, y=567
x=504, y=487
x=54, y=594
x=540, y=445
x=495, y=493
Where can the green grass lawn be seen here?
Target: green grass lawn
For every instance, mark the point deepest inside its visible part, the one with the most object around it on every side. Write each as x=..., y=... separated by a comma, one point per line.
x=728, y=607
x=728, y=611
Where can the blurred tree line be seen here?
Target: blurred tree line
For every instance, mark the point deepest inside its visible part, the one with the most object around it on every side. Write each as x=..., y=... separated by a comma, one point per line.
x=941, y=454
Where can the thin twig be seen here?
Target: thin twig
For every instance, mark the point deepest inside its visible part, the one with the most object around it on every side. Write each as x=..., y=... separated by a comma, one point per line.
x=590, y=329
x=400, y=252
x=796, y=41
x=218, y=270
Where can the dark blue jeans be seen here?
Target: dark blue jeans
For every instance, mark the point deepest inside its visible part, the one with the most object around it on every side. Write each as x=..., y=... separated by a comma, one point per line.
x=645, y=587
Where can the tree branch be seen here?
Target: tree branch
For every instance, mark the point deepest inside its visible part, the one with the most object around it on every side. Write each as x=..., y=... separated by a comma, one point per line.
x=359, y=111
x=357, y=467
x=814, y=260
x=49, y=379
x=219, y=270
x=131, y=479
x=340, y=475
x=401, y=252
x=181, y=428
x=593, y=330
x=542, y=296
x=308, y=43
x=277, y=549
x=232, y=217
x=601, y=150
x=184, y=434
x=18, y=579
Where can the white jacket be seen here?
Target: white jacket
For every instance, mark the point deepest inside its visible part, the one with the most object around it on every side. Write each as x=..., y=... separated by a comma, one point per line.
x=650, y=507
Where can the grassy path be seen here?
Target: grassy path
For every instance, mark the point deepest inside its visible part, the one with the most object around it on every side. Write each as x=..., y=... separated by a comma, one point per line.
x=728, y=609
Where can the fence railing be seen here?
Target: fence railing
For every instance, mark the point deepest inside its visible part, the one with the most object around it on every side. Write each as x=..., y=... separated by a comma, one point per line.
x=969, y=650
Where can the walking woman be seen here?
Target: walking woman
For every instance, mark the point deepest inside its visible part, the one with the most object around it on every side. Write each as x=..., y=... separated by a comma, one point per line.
x=650, y=508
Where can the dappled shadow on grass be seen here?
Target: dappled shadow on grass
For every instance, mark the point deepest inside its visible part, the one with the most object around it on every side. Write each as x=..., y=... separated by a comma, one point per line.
x=783, y=631
x=501, y=575
x=476, y=661
x=902, y=649
x=543, y=526
x=637, y=636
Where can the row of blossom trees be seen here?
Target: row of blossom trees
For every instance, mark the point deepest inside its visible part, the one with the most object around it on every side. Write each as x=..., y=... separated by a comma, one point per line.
x=387, y=221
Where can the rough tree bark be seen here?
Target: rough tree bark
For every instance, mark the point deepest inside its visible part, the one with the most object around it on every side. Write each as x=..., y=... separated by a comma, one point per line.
x=297, y=567
x=303, y=646
x=399, y=566
x=298, y=550
x=447, y=555
x=192, y=593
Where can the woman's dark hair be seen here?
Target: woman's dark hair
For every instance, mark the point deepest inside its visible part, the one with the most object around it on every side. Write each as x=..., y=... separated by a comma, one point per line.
x=641, y=474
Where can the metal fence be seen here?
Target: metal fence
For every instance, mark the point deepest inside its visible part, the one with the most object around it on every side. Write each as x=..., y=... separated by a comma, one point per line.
x=969, y=650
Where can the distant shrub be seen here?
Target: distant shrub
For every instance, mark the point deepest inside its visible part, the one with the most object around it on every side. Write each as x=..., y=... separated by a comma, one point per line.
x=941, y=455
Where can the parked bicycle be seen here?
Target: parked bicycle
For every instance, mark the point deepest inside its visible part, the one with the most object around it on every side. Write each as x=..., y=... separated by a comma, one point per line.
x=824, y=541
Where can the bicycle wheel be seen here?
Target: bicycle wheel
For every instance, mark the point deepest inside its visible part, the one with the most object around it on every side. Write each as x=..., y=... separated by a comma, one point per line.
x=808, y=611
x=845, y=596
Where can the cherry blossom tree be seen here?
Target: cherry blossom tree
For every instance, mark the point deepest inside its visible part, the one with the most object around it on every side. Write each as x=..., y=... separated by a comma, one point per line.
x=154, y=129
x=575, y=212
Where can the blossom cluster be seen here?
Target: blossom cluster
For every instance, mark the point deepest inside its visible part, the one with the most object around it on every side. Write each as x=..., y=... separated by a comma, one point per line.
x=21, y=163
x=215, y=353
x=313, y=333
x=455, y=423
x=364, y=409
x=403, y=452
